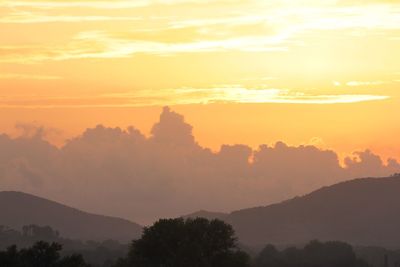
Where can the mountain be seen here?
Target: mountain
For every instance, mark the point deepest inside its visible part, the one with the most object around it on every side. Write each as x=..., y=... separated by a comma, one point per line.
x=361, y=212
x=207, y=215
x=18, y=209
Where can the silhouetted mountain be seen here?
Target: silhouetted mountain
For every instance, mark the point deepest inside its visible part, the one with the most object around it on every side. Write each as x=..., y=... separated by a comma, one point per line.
x=18, y=209
x=207, y=214
x=361, y=212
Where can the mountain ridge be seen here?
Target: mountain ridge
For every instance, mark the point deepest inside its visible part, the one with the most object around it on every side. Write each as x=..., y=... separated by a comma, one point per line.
x=19, y=209
x=363, y=211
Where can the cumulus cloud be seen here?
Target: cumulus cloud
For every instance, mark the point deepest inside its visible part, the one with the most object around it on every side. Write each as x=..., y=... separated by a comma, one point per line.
x=124, y=173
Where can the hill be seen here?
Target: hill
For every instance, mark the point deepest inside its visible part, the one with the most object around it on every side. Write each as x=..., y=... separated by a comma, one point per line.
x=361, y=212
x=207, y=214
x=18, y=209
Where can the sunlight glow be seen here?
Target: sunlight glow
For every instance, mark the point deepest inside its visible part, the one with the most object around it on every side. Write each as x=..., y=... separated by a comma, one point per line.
x=241, y=57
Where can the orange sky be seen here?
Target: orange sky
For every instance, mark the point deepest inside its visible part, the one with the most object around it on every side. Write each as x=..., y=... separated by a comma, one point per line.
x=253, y=72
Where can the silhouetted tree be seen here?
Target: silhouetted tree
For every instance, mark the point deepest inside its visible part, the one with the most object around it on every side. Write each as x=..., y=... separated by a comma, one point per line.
x=42, y=254
x=96, y=253
x=314, y=254
x=10, y=257
x=269, y=256
x=182, y=243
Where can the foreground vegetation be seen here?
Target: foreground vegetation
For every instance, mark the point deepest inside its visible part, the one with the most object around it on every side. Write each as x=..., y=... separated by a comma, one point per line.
x=182, y=243
x=42, y=254
x=175, y=243
x=101, y=254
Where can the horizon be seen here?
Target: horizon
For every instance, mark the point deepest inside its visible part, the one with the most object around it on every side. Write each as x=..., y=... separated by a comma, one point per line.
x=195, y=213
x=136, y=171
x=35, y=130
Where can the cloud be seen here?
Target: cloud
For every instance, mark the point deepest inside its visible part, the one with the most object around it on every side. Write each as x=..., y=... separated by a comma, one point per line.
x=28, y=18
x=138, y=28
x=185, y=96
x=29, y=130
x=124, y=173
x=24, y=76
x=35, y=131
x=336, y=83
x=115, y=4
x=364, y=162
x=101, y=45
x=73, y=4
x=172, y=129
x=364, y=83
x=255, y=26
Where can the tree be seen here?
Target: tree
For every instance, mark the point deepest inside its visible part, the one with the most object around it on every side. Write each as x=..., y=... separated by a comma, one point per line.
x=269, y=256
x=42, y=254
x=9, y=257
x=314, y=254
x=182, y=243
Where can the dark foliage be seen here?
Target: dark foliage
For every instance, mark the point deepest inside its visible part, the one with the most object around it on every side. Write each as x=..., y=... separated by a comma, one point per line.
x=182, y=243
x=42, y=254
x=98, y=254
x=376, y=256
x=177, y=242
x=314, y=254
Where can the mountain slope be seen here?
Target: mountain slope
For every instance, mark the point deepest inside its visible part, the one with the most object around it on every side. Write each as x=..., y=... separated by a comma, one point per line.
x=18, y=209
x=361, y=212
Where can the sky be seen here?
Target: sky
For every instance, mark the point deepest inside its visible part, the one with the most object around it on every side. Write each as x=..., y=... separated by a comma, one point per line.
x=278, y=70
x=314, y=73
x=122, y=172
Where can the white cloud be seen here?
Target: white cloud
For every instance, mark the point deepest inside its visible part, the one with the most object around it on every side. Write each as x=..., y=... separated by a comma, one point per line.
x=336, y=83
x=364, y=83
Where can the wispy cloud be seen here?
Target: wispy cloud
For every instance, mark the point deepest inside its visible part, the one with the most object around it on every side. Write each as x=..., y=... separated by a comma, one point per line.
x=337, y=83
x=115, y=4
x=185, y=96
x=364, y=83
x=29, y=17
x=359, y=83
x=249, y=27
x=24, y=76
x=286, y=39
x=75, y=4
x=98, y=44
x=238, y=94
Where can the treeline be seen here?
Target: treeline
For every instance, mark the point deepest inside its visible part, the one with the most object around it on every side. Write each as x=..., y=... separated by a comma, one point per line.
x=42, y=254
x=203, y=243
x=314, y=254
x=176, y=243
x=98, y=254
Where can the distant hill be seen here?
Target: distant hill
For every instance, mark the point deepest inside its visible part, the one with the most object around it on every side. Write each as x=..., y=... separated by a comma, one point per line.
x=207, y=214
x=361, y=212
x=18, y=209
